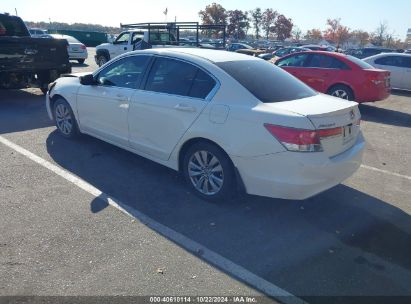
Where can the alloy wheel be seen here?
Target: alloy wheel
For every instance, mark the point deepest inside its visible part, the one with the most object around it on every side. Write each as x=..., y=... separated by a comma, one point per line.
x=205, y=172
x=340, y=94
x=64, y=119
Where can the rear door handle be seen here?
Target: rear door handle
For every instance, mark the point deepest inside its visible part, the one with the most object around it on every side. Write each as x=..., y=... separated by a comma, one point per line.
x=184, y=108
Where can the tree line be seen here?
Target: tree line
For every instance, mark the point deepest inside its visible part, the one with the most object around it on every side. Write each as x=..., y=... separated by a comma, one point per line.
x=266, y=23
x=271, y=24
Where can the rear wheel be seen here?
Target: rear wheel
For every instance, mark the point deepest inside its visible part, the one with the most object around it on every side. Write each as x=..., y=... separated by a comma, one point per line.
x=81, y=61
x=65, y=120
x=341, y=91
x=209, y=172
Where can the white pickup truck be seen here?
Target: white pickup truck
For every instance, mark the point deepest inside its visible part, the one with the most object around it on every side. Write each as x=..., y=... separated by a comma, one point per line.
x=134, y=39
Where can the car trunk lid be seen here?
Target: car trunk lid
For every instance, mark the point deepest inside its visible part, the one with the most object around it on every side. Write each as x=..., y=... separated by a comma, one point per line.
x=328, y=113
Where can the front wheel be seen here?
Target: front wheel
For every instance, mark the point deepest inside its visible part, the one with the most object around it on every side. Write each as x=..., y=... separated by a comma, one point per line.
x=209, y=172
x=65, y=120
x=101, y=60
x=81, y=61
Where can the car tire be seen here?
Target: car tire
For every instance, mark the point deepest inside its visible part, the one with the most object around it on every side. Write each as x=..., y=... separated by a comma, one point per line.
x=64, y=118
x=101, y=59
x=81, y=61
x=209, y=172
x=341, y=91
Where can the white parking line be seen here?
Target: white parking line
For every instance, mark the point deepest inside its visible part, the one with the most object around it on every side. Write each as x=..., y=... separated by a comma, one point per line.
x=386, y=172
x=190, y=245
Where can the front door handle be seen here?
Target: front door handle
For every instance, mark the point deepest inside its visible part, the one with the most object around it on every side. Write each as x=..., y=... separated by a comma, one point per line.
x=184, y=108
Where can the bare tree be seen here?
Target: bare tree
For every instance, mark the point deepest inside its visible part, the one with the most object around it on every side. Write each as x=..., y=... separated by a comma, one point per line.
x=297, y=34
x=256, y=17
x=380, y=34
x=268, y=20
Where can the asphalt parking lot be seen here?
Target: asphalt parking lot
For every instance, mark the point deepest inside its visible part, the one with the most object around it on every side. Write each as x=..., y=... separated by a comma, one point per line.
x=61, y=237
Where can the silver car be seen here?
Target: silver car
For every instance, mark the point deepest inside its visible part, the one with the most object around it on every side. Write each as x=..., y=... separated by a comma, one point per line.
x=76, y=49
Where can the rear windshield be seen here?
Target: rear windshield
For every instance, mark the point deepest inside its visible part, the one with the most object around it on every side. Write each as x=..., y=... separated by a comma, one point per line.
x=265, y=81
x=361, y=63
x=12, y=26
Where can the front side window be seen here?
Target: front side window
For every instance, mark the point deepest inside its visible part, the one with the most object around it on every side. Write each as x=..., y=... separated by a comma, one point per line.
x=179, y=78
x=123, y=38
x=125, y=73
x=265, y=81
x=293, y=61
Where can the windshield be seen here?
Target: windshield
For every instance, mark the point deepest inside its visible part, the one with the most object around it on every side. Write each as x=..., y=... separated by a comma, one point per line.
x=266, y=81
x=361, y=63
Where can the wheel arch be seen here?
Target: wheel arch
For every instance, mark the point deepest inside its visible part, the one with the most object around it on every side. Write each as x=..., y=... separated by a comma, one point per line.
x=53, y=100
x=103, y=52
x=190, y=142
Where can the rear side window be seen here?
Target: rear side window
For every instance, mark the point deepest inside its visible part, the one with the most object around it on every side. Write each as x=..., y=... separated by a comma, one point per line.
x=265, y=81
x=363, y=65
x=179, y=78
x=326, y=62
x=293, y=61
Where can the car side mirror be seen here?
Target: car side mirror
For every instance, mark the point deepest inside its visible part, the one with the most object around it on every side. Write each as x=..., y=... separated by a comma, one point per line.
x=88, y=80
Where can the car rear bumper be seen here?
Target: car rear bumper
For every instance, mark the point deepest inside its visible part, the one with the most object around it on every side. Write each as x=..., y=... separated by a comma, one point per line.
x=297, y=176
x=372, y=94
x=75, y=56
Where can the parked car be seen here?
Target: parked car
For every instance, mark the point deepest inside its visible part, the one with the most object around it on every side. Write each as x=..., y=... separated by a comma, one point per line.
x=315, y=47
x=286, y=51
x=76, y=49
x=26, y=61
x=367, y=52
x=220, y=118
x=338, y=75
x=251, y=52
x=399, y=64
x=238, y=46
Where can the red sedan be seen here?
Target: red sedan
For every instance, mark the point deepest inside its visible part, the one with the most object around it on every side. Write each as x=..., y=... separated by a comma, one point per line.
x=338, y=75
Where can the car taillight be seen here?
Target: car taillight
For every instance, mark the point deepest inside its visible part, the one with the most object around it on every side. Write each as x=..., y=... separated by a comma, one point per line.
x=83, y=47
x=300, y=140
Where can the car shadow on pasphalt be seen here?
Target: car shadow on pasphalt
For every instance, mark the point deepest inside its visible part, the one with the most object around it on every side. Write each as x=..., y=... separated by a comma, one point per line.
x=79, y=65
x=385, y=116
x=342, y=242
x=22, y=110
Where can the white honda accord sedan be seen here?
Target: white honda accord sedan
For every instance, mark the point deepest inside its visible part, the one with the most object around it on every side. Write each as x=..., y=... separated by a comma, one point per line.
x=222, y=119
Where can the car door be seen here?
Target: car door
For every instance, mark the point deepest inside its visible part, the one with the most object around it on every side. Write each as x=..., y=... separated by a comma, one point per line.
x=321, y=71
x=120, y=45
x=103, y=108
x=406, y=80
x=173, y=96
x=395, y=65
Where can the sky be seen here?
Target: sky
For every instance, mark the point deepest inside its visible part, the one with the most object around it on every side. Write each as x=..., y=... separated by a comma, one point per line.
x=306, y=14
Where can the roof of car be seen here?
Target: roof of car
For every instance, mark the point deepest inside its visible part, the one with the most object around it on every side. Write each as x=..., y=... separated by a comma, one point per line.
x=389, y=54
x=211, y=55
